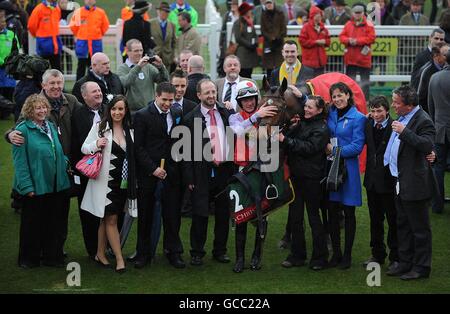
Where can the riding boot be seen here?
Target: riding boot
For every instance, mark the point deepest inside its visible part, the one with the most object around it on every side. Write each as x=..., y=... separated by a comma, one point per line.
x=255, y=263
x=241, y=235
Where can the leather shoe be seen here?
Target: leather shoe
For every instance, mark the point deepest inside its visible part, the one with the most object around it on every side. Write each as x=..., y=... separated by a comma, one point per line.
x=373, y=260
x=239, y=266
x=176, y=261
x=412, y=275
x=317, y=265
x=222, y=258
x=398, y=271
x=334, y=261
x=140, y=262
x=290, y=262
x=132, y=257
x=28, y=265
x=196, y=261
x=392, y=265
x=346, y=263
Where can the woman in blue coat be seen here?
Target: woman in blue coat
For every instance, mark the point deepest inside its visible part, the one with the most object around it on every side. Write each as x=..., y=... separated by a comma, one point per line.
x=346, y=126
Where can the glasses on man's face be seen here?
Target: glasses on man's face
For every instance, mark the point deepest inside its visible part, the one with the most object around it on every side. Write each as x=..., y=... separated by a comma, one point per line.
x=245, y=91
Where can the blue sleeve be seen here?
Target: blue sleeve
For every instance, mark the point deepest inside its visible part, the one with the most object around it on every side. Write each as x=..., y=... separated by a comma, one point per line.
x=358, y=139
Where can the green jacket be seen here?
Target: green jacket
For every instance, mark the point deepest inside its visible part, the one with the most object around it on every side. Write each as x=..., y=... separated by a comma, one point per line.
x=140, y=83
x=39, y=162
x=173, y=16
x=6, y=44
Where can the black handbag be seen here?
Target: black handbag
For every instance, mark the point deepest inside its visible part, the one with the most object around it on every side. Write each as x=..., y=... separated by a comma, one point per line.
x=338, y=172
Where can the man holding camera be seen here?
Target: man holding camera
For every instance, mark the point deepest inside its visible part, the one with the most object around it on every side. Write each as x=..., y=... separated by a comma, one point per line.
x=139, y=74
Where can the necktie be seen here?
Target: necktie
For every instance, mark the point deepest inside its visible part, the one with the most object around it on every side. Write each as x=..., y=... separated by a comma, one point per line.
x=177, y=106
x=378, y=126
x=164, y=120
x=290, y=13
x=228, y=93
x=215, y=140
x=290, y=71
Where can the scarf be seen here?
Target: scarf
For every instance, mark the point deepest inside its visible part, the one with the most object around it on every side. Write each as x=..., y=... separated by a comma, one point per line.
x=284, y=74
x=248, y=20
x=129, y=175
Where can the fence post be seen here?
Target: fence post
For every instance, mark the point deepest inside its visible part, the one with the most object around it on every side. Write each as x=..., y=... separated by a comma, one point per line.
x=213, y=43
x=118, y=40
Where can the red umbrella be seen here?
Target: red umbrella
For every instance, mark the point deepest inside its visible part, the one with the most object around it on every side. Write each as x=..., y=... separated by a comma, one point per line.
x=320, y=85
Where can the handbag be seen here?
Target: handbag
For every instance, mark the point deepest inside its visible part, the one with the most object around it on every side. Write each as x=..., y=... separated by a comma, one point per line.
x=90, y=165
x=338, y=172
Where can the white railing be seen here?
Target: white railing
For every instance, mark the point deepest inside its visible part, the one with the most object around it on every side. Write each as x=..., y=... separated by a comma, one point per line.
x=394, y=68
x=111, y=46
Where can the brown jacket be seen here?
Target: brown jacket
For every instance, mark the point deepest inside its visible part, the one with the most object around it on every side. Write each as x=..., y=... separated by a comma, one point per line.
x=273, y=29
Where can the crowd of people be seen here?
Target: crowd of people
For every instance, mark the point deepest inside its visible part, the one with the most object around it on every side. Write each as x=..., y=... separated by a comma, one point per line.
x=132, y=116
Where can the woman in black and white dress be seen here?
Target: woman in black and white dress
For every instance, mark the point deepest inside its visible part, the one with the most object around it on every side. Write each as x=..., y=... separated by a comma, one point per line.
x=105, y=197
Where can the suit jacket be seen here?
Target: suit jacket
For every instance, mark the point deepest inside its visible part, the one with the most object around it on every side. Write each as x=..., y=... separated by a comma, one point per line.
x=421, y=58
x=298, y=11
x=191, y=91
x=189, y=39
x=199, y=172
x=422, y=90
x=378, y=178
x=220, y=83
x=188, y=106
x=416, y=178
x=153, y=144
x=305, y=74
x=439, y=104
x=113, y=87
x=165, y=49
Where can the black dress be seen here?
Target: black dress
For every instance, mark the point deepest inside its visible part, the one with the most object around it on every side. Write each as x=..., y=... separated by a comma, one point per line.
x=116, y=197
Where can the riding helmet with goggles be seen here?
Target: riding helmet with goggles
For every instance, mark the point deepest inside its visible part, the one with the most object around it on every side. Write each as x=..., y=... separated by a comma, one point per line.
x=245, y=89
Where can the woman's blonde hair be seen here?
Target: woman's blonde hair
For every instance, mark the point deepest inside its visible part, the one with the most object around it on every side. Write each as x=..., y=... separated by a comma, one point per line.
x=28, y=107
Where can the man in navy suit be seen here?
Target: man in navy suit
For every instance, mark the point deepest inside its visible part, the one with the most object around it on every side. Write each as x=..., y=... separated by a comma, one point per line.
x=153, y=126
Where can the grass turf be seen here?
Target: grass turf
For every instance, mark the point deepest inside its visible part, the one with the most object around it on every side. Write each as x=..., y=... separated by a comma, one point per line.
x=213, y=277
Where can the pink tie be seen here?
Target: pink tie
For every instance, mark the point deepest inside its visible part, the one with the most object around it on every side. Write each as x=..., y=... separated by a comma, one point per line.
x=215, y=139
x=290, y=14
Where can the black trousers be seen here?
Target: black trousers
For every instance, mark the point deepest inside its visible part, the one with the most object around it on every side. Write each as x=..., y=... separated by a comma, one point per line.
x=353, y=70
x=39, y=227
x=382, y=205
x=83, y=64
x=171, y=216
x=414, y=234
x=89, y=223
x=146, y=201
x=199, y=227
x=55, y=61
x=307, y=191
x=64, y=223
x=334, y=212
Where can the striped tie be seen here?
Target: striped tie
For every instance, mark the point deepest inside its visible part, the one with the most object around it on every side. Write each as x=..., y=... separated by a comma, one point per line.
x=228, y=93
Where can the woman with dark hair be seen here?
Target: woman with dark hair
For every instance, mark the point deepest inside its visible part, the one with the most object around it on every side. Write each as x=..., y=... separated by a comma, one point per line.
x=105, y=196
x=305, y=145
x=346, y=127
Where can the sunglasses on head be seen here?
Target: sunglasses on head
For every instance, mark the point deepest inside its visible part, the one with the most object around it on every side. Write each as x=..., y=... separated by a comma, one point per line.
x=245, y=91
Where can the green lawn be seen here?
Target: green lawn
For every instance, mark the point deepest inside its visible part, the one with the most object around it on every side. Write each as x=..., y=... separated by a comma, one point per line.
x=212, y=277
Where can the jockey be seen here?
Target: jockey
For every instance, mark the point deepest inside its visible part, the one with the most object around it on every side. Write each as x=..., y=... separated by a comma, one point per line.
x=247, y=119
x=242, y=124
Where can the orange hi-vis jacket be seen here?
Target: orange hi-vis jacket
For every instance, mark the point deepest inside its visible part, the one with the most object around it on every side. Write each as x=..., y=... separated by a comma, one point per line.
x=89, y=25
x=44, y=25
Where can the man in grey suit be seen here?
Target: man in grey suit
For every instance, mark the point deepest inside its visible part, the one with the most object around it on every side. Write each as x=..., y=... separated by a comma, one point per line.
x=439, y=110
x=163, y=33
x=226, y=86
x=411, y=140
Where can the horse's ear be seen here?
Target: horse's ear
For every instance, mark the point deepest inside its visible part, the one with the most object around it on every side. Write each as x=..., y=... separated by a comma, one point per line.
x=265, y=84
x=283, y=87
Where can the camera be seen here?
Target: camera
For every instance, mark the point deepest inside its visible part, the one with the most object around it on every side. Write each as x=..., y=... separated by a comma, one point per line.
x=151, y=59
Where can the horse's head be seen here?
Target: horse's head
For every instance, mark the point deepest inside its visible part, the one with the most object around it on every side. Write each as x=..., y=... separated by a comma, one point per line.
x=283, y=100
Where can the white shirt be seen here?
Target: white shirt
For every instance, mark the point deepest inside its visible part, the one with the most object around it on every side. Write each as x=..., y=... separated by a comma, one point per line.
x=233, y=91
x=168, y=118
x=220, y=128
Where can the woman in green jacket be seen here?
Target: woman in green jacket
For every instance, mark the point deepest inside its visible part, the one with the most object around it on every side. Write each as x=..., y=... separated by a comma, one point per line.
x=41, y=177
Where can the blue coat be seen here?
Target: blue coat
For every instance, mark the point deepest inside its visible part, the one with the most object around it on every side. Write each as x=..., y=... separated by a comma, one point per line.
x=349, y=130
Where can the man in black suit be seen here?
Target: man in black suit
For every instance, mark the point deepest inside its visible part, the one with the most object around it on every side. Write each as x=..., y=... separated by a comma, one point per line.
x=437, y=35
x=152, y=128
x=206, y=178
x=100, y=72
x=196, y=72
x=379, y=183
x=411, y=140
x=83, y=117
x=179, y=80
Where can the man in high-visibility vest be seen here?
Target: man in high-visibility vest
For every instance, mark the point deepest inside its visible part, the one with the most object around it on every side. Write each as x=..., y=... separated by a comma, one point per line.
x=44, y=25
x=88, y=24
